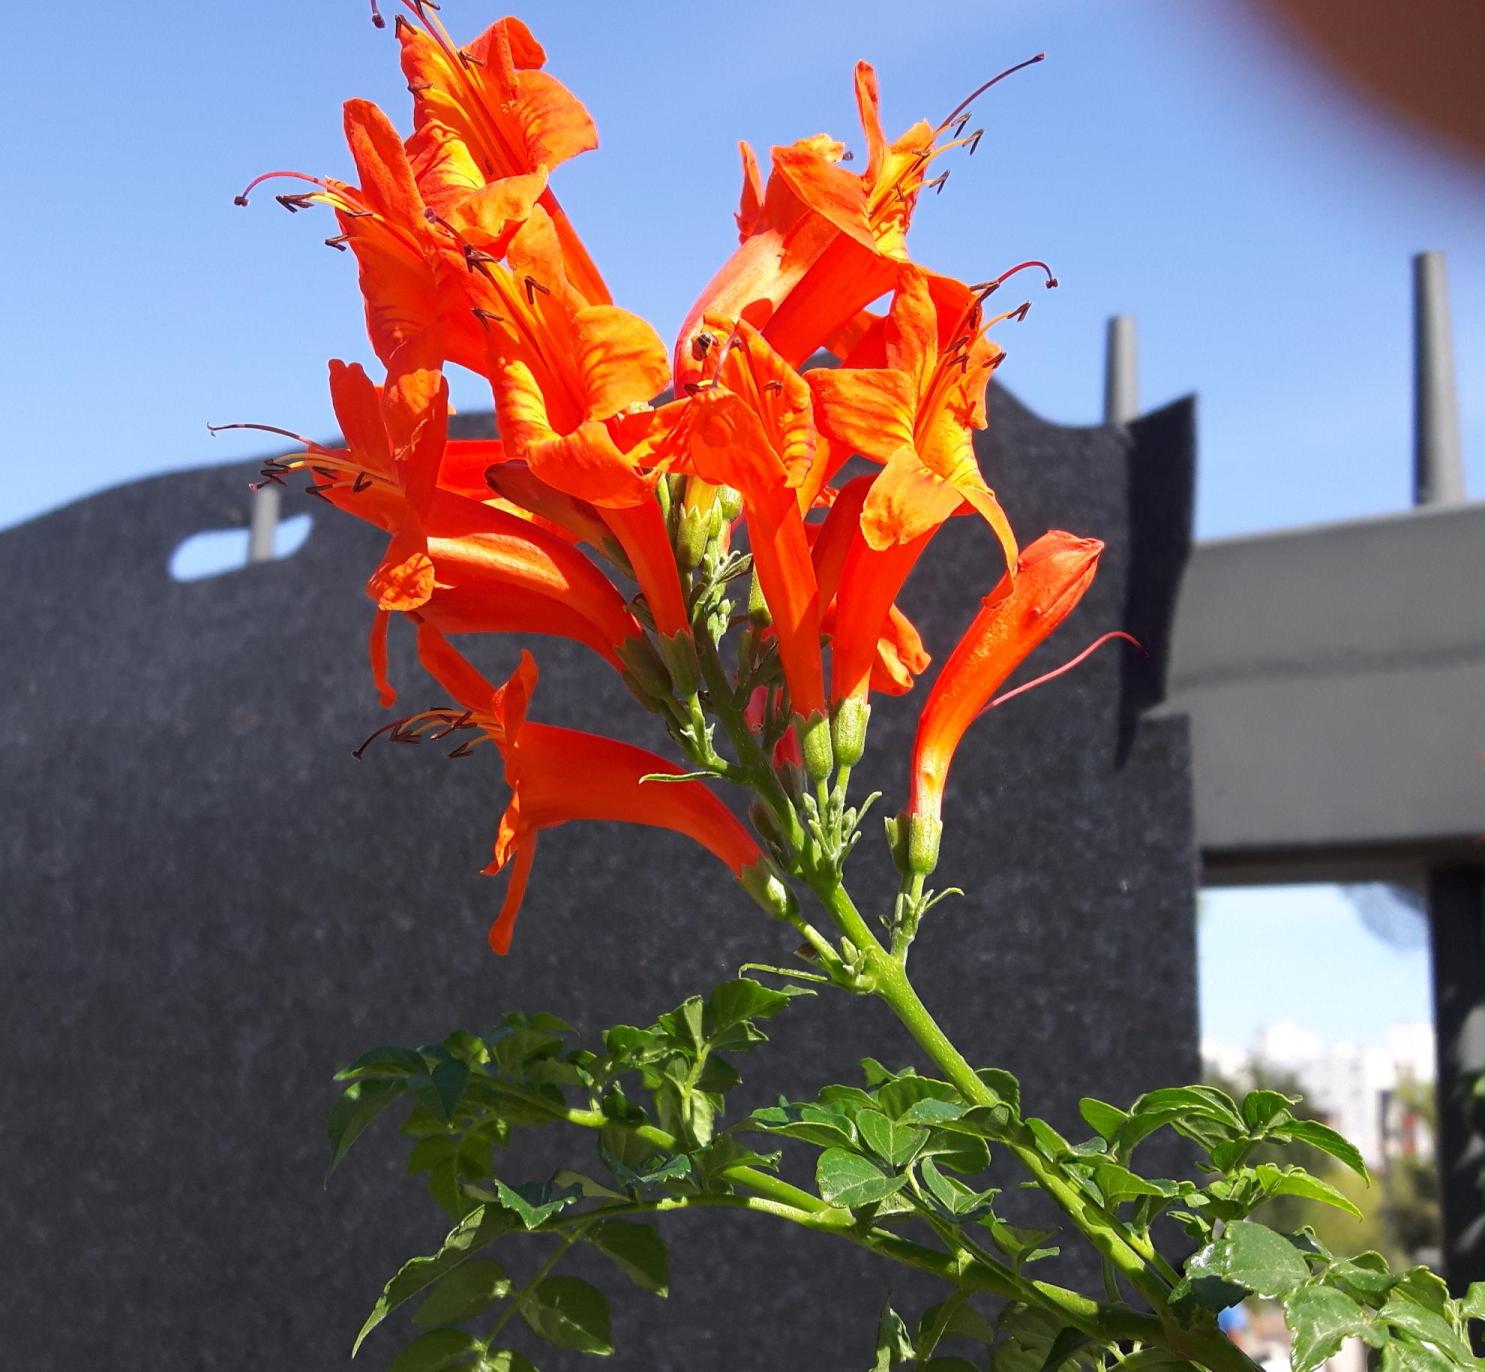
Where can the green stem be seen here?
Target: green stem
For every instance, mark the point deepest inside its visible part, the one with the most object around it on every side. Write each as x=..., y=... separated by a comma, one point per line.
x=541, y=1273
x=1134, y=1258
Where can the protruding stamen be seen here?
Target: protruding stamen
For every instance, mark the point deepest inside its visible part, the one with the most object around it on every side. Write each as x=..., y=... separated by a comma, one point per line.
x=307, y=443
x=487, y=317
x=294, y=203
x=980, y=90
x=363, y=480
x=1066, y=667
x=973, y=141
x=937, y=184
x=985, y=288
x=532, y=287
x=242, y=197
x=478, y=259
x=338, y=242
x=315, y=490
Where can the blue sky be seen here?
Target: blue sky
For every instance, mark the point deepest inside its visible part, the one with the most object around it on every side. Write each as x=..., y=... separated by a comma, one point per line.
x=1175, y=161
x=1179, y=162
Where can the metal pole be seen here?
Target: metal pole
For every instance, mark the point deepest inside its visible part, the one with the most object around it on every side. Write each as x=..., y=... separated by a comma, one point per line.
x=1121, y=391
x=1456, y=912
x=264, y=522
x=1438, y=462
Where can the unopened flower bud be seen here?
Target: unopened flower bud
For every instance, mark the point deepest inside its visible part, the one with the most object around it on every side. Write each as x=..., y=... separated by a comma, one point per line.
x=914, y=841
x=678, y=651
x=763, y=883
x=814, y=744
x=848, y=730
x=643, y=664
x=693, y=532
x=758, y=612
x=729, y=502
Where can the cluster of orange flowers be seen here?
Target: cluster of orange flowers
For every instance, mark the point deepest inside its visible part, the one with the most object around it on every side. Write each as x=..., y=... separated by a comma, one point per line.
x=466, y=257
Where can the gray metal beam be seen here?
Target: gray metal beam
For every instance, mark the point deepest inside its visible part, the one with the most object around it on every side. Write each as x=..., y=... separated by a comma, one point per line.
x=1121, y=387
x=1335, y=681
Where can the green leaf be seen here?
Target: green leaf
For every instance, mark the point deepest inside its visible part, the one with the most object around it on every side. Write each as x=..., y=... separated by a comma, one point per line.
x=849, y=1180
x=931, y=1110
x=1029, y=1341
x=391, y=1062
x=1326, y=1139
x=1119, y=1183
x=1401, y=1312
x=506, y=1361
x=534, y=1202
x=1101, y=1117
x=440, y=1089
x=893, y=1347
x=1471, y=1305
x=435, y=1352
x=1067, y=1342
x=1426, y=1287
x=1404, y=1357
x=1048, y=1139
x=1020, y=1245
x=1295, y=1181
x=1319, y=1318
x=1004, y=1085
x=960, y=1152
x=965, y=1322
x=1366, y=1275
x=957, y=1198
x=637, y=1249
x=462, y=1293
x=570, y=1313
x=1202, y=1101
x=1262, y=1107
x=735, y=1002
x=892, y=1141
x=897, y=1097
x=476, y=1230
x=820, y=1125
x=1253, y=1257
x=359, y=1104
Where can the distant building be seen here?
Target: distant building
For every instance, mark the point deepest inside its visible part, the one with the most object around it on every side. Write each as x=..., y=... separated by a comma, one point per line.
x=1355, y=1089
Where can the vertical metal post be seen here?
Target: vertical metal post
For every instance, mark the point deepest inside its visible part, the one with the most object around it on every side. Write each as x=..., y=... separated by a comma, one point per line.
x=1121, y=390
x=264, y=522
x=1456, y=912
x=1438, y=462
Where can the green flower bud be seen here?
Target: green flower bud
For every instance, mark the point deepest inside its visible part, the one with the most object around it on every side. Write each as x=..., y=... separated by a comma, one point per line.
x=848, y=730
x=763, y=883
x=645, y=668
x=758, y=612
x=678, y=652
x=814, y=743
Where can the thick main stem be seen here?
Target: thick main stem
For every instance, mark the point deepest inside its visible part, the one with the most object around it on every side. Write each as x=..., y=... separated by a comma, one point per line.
x=1132, y=1258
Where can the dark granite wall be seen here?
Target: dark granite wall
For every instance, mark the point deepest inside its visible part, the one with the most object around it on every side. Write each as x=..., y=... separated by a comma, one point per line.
x=209, y=905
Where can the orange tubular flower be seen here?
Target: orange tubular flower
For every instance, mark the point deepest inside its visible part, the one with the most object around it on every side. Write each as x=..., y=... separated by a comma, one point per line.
x=563, y=371
x=489, y=124
x=908, y=397
x=454, y=562
x=556, y=775
x=1015, y=619
x=819, y=243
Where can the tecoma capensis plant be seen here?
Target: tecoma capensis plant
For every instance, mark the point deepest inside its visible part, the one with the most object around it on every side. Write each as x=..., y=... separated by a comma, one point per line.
x=610, y=517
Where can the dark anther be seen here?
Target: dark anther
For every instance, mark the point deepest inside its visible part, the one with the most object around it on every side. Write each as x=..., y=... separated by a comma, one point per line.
x=532, y=286
x=1020, y=312
x=362, y=482
x=694, y=388
x=958, y=126
x=338, y=242
x=974, y=139
x=469, y=59
x=355, y=214
x=294, y=203
x=239, y=200
x=702, y=344
x=329, y=473
x=418, y=87
x=848, y=156
x=465, y=748
x=487, y=316
x=453, y=726
x=312, y=489
x=477, y=258
x=400, y=25
x=937, y=183
x=377, y=733
x=775, y=385
x=400, y=735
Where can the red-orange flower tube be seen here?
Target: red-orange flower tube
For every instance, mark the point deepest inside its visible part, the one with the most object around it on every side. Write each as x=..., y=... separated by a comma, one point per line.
x=1016, y=618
